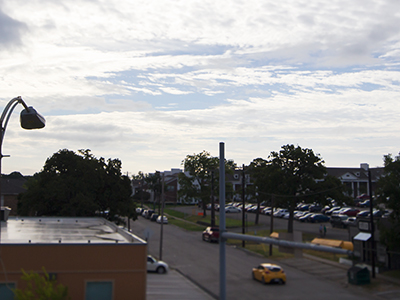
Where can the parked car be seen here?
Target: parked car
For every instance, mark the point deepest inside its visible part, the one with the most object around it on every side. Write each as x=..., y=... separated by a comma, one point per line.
x=281, y=212
x=305, y=217
x=154, y=217
x=299, y=214
x=268, y=273
x=333, y=209
x=325, y=209
x=338, y=221
x=267, y=211
x=148, y=213
x=351, y=212
x=364, y=213
x=165, y=220
x=318, y=218
x=139, y=210
x=351, y=221
x=362, y=197
x=253, y=209
x=211, y=234
x=315, y=208
x=303, y=207
x=154, y=265
x=364, y=203
x=232, y=209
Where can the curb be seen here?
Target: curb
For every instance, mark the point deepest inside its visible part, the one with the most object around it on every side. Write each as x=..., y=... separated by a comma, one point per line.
x=211, y=294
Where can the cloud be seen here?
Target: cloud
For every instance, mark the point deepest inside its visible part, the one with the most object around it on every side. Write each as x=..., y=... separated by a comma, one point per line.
x=152, y=81
x=11, y=31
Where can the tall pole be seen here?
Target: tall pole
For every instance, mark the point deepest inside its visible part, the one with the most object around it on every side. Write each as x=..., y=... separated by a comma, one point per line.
x=29, y=119
x=271, y=230
x=212, y=200
x=141, y=191
x=371, y=206
x=222, y=229
x=243, y=203
x=162, y=216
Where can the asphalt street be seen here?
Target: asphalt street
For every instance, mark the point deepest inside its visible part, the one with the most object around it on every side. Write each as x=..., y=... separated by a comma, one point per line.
x=198, y=261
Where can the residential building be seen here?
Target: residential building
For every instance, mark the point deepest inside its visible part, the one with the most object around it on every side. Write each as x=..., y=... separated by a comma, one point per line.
x=356, y=179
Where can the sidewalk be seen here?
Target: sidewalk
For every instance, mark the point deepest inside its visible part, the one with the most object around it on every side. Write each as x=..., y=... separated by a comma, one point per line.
x=172, y=286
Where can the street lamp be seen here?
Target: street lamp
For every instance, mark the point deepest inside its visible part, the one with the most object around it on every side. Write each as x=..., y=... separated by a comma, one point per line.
x=29, y=119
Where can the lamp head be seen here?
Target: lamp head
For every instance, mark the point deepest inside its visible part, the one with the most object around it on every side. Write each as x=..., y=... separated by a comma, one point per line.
x=31, y=119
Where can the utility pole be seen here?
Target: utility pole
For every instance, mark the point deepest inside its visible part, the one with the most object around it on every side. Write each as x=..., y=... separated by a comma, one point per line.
x=141, y=191
x=243, y=203
x=272, y=223
x=162, y=216
x=212, y=200
x=371, y=204
x=222, y=225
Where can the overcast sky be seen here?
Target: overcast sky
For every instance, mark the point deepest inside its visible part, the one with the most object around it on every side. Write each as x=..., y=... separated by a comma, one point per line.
x=150, y=82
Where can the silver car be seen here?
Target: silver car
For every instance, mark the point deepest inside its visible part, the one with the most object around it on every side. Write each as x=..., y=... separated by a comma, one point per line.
x=154, y=265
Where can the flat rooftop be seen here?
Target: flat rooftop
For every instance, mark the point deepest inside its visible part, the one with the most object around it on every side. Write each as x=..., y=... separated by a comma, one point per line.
x=71, y=230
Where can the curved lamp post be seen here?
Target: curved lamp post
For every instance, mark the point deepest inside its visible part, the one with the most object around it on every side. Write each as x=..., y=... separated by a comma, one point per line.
x=29, y=119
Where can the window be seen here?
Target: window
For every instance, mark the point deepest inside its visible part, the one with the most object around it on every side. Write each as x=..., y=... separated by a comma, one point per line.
x=6, y=292
x=99, y=290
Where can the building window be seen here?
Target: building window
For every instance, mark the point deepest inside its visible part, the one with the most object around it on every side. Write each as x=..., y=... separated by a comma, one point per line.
x=99, y=290
x=6, y=291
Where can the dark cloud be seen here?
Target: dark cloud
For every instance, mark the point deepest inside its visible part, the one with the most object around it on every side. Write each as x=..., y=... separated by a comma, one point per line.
x=10, y=31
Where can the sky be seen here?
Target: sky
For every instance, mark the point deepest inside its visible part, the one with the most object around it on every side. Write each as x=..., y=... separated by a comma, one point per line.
x=150, y=82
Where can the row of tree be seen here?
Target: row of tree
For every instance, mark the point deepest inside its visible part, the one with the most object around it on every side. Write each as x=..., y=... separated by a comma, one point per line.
x=292, y=175
x=80, y=184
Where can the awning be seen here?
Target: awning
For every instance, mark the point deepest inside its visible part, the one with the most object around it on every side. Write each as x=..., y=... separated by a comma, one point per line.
x=362, y=236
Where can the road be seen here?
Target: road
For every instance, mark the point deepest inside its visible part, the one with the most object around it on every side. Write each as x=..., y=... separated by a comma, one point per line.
x=199, y=261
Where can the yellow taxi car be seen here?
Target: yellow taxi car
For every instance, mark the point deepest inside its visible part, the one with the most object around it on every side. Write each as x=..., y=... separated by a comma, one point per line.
x=268, y=273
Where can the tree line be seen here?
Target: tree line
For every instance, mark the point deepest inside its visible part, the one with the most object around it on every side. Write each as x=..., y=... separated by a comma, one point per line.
x=80, y=184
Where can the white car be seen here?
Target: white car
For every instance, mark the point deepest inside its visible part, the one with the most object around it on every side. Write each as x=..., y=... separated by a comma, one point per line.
x=154, y=265
x=165, y=220
x=232, y=209
x=280, y=213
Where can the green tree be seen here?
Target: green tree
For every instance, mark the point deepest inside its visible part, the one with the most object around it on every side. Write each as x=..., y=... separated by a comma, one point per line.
x=41, y=287
x=154, y=183
x=78, y=184
x=262, y=187
x=294, y=172
x=388, y=192
x=140, y=195
x=196, y=182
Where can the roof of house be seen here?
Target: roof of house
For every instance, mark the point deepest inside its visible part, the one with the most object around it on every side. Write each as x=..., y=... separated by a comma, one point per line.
x=360, y=173
x=66, y=230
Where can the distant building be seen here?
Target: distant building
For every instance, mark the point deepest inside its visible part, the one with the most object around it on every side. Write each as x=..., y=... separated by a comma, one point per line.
x=90, y=256
x=356, y=179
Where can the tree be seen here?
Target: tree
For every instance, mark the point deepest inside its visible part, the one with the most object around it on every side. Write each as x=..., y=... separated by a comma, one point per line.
x=388, y=191
x=154, y=183
x=72, y=184
x=262, y=187
x=196, y=182
x=294, y=171
x=41, y=287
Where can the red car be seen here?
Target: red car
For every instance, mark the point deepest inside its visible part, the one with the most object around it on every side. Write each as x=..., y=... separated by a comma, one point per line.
x=211, y=234
x=351, y=212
